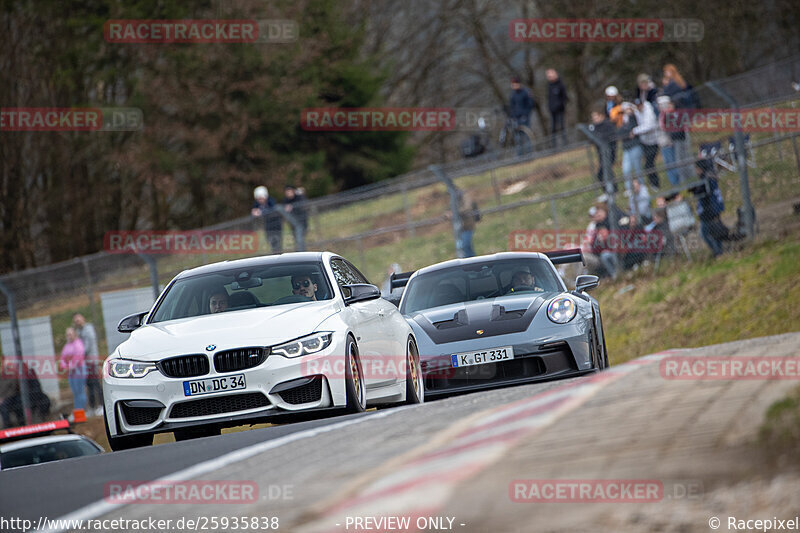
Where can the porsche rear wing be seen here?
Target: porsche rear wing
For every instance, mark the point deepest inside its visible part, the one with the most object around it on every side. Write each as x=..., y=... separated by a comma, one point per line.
x=561, y=257
x=400, y=279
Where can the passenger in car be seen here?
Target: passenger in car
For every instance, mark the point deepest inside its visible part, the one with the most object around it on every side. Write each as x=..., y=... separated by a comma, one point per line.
x=303, y=285
x=218, y=302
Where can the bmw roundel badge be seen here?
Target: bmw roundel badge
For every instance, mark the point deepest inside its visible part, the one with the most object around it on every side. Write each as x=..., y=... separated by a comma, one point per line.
x=211, y=347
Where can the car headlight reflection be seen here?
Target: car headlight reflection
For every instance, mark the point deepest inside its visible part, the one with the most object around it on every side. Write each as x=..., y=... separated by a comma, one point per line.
x=562, y=310
x=309, y=344
x=126, y=368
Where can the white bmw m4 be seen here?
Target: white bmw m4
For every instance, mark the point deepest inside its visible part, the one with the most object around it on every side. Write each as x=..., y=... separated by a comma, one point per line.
x=252, y=340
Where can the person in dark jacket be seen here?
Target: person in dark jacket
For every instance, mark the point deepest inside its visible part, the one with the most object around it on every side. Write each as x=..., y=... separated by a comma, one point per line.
x=710, y=205
x=520, y=103
x=607, y=132
x=294, y=203
x=556, y=104
x=267, y=208
x=520, y=106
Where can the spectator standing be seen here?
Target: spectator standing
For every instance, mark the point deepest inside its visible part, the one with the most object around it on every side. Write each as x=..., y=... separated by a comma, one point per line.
x=668, y=139
x=556, y=104
x=646, y=90
x=604, y=129
x=294, y=203
x=647, y=130
x=710, y=205
x=520, y=106
x=94, y=387
x=73, y=360
x=631, y=147
x=266, y=208
x=682, y=96
x=614, y=105
x=470, y=216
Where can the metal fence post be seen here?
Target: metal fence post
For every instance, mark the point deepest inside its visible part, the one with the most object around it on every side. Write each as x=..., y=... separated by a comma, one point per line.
x=21, y=373
x=748, y=215
x=455, y=200
x=151, y=263
x=297, y=229
x=608, y=179
x=407, y=210
x=554, y=212
x=89, y=286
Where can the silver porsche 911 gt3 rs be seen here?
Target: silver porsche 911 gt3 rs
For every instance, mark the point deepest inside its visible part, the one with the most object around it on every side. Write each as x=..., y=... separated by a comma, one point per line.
x=501, y=319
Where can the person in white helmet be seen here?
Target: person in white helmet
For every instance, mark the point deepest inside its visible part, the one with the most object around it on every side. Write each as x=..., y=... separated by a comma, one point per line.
x=267, y=208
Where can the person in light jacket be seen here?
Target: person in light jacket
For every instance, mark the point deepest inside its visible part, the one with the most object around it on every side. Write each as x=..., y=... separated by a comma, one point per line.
x=647, y=130
x=73, y=360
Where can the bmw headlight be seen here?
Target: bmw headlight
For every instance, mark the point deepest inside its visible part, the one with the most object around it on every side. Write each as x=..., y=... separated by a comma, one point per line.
x=127, y=368
x=562, y=310
x=309, y=344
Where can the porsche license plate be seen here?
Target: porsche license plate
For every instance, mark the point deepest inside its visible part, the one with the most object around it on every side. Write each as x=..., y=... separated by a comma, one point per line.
x=482, y=357
x=207, y=386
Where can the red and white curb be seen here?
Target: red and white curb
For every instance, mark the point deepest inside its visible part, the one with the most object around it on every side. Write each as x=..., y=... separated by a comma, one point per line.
x=422, y=485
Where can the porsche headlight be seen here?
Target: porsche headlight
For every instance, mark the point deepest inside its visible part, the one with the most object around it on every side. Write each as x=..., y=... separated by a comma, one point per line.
x=562, y=310
x=126, y=368
x=309, y=344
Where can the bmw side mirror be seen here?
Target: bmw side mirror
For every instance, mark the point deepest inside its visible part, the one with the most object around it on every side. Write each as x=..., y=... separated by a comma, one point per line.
x=360, y=292
x=131, y=322
x=586, y=283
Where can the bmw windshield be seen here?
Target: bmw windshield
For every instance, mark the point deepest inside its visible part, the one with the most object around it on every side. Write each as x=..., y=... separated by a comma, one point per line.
x=244, y=288
x=477, y=281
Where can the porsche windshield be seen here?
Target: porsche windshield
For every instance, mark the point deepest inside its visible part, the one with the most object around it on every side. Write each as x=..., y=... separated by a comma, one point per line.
x=476, y=281
x=244, y=288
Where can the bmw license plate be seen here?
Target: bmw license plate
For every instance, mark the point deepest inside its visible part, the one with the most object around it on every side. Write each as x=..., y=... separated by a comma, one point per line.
x=209, y=385
x=482, y=357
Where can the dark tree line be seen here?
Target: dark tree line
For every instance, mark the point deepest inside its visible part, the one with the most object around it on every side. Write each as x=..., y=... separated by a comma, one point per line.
x=222, y=118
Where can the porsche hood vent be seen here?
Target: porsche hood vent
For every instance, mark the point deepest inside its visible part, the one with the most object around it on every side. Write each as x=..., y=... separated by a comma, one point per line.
x=462, y=321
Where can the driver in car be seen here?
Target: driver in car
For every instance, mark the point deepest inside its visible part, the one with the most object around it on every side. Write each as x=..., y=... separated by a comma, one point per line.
x=522, y=280
x=303, y=285
x=218, y=302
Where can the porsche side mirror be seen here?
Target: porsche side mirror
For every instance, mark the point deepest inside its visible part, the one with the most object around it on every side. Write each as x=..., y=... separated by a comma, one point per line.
x=360, y=292
x=586, y=283
x=131, y=322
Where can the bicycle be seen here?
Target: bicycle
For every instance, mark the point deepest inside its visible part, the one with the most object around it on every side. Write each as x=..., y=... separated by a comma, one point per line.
x=514, y=134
